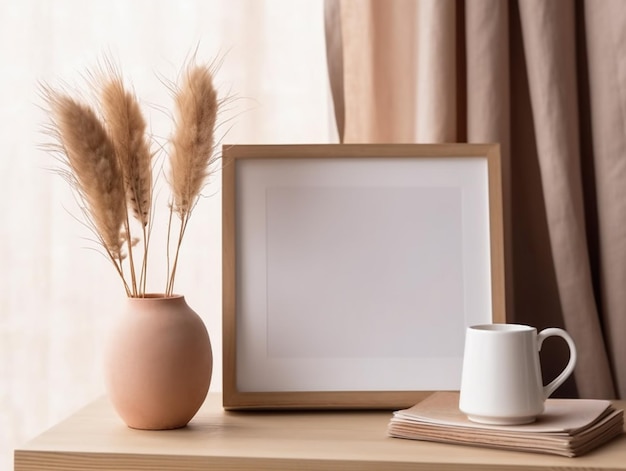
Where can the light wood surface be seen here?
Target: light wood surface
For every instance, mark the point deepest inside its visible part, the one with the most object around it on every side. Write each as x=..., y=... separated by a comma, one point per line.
x=236, y=399
x=95, y=439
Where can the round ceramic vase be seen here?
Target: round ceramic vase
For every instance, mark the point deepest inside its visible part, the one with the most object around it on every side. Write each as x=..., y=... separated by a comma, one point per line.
x=158, y=363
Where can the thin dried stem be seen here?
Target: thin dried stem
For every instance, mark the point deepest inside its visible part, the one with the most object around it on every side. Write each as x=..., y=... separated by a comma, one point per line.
x=167, y=249
x=181, y=234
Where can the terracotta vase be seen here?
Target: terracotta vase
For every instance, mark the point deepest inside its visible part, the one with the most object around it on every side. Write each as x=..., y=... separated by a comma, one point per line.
x=158, y=363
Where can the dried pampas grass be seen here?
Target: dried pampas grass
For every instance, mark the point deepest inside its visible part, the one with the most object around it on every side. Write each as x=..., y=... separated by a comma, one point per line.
x=108, y=163
x=192, y=147
x=94, y=171
x=127, y=129
x=193, y=140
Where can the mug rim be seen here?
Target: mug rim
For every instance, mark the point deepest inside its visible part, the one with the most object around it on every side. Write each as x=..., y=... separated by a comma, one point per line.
x=502, y=327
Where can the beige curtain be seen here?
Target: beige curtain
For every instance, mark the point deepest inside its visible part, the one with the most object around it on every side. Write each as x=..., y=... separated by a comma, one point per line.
x=546, y=79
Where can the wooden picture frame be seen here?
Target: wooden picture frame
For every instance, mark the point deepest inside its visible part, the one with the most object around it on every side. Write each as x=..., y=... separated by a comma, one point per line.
x=351, y=271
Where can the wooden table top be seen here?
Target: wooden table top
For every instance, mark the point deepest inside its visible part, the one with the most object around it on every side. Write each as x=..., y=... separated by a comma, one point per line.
x=94, y=438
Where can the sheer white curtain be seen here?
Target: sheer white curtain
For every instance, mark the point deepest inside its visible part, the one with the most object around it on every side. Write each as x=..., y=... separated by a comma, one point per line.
x=57, y=299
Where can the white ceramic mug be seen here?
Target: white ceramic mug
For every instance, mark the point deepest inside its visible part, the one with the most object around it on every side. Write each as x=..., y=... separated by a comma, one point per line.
x=501, y=381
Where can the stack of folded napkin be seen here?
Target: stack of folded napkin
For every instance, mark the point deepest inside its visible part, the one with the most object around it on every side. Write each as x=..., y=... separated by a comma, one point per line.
x=568, y=427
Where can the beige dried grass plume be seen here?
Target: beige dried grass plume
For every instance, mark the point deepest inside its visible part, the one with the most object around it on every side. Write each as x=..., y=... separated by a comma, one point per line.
x=193, y=140
x=93, y=167
x=192, y=154
x=127, y=128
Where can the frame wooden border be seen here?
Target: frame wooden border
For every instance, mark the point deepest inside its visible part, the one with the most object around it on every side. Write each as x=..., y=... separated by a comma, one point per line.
x=235, y=399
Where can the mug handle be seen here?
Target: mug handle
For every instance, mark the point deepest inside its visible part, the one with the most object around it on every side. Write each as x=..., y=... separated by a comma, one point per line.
x=556, y=382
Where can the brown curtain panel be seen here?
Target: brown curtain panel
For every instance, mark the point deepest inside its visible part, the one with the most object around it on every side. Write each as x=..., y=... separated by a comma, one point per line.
x=545, y=79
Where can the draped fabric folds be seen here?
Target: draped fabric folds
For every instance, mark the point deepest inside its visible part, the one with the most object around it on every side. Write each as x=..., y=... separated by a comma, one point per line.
x=545, y=79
